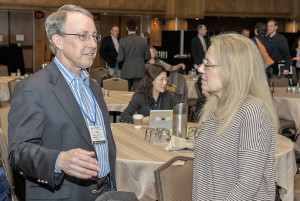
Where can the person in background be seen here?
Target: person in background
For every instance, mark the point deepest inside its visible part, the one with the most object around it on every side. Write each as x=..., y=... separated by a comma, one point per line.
x=147, y=36
x=295, y=52
x=246, y=33
x=158, y=62
x=59, y=131
x=133, y=52
x=280, y=48
x=234, y=152
x=199, y=46
x=109, y=51
x=264, y=46
x=151, y=95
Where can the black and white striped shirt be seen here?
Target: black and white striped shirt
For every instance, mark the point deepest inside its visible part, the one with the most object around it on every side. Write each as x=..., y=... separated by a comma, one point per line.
x=239, y=163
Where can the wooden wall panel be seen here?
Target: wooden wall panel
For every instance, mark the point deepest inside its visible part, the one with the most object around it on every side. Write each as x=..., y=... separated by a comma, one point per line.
x=4, y=27
x=185, y=8
x=39, y=48
x=28, y=60
x=253, y=8
x=21, y=23
x=115, y=6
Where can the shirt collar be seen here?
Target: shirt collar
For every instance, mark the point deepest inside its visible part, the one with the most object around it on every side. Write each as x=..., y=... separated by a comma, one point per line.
x=200, y=36
x=69, y=75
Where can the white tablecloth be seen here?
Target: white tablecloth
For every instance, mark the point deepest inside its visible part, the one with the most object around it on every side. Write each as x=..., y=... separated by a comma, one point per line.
x=137, y=159
x=287, y=105
x=117, y=101
x=4, y=90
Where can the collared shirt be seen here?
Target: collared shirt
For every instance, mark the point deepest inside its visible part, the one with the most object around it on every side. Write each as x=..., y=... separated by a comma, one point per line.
x=85, y=98
x=116, y=42
x=202, y=39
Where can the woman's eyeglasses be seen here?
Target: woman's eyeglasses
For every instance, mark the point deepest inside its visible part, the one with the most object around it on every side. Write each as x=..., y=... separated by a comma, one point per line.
x=207, y=65
x=85, y=36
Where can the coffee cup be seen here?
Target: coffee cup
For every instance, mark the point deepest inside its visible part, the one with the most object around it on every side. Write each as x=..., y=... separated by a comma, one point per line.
x=138, y=121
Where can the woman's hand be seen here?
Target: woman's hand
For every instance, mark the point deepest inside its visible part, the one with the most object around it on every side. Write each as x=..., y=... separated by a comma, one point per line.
x=182, y=65
x=296, y=58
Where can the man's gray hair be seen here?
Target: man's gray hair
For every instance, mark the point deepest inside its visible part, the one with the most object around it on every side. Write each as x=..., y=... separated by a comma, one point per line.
x=55, y=23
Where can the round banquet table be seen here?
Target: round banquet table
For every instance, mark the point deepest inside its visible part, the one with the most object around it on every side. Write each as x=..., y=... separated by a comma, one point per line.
x=137, y=159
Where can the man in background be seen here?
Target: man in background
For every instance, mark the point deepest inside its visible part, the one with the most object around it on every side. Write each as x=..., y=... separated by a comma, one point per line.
x=280, y=48
x=133, y=52
x=109, y=51
x=59, y=131
x=246, y=33
x=199, y=46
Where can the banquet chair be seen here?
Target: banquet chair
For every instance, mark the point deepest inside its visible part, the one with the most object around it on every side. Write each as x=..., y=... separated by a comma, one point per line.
x=279, y=81
x=115, y=84
x=4, y=150
x=117, y=196
x=100, y=74
x=294, y=75
x=175, y=182
x=181, y=92
x=3, y=70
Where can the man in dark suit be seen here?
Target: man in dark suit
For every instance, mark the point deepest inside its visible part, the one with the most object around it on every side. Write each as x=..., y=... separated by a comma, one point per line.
x=199, y=46
x=109, y=51
x=59, y=131
x=133, y=51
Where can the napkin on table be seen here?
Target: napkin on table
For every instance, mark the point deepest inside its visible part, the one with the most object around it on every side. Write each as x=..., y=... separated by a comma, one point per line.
x=178, y=143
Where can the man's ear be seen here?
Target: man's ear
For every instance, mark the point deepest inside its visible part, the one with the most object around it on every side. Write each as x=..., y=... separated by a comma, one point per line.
x=57, y=40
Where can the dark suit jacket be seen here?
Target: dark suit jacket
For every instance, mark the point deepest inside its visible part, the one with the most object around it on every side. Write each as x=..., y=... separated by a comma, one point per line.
x=44, y=120
x=108, y=51
x=133, y=51
x=198, y=54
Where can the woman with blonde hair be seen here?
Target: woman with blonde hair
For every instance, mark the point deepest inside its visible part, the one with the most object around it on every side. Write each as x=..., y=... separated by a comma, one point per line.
x=234, y=153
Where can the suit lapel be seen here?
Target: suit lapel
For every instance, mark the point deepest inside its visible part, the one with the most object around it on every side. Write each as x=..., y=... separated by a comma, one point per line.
x=66, y=98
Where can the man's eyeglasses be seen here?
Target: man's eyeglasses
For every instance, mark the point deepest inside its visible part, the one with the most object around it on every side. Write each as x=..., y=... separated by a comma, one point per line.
x=207, y=65
x=85, y=36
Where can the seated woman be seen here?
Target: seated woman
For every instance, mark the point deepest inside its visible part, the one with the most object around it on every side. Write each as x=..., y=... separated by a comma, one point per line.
x=234, y=152
x=158, y=62
x=151, y=95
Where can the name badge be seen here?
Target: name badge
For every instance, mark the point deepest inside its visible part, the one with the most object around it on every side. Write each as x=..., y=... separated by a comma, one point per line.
x=97, y=134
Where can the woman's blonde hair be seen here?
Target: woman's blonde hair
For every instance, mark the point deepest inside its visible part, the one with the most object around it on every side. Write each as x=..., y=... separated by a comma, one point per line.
x=154, y=50
x=243, y=77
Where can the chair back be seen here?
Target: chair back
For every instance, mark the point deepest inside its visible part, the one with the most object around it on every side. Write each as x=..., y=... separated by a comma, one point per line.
x=180, y=94
x=279, y=81
x=11, y=86
x=116, y=84
x=116, y=196
x=294, y=75
x=3, y=70
x=100, y=74
x=175, y=182
x=4, y=149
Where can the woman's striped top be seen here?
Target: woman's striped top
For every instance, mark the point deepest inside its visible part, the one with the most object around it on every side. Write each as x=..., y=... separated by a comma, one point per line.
x=239, y=163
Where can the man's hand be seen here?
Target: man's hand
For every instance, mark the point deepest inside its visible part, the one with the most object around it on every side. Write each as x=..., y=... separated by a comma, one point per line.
x=286, y=72
x=79, y=163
